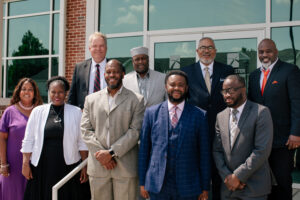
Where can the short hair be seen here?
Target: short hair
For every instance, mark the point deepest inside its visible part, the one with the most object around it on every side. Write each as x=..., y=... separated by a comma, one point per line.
x=37, y=99
x=237, y=77
x=60, y=79
x=176, y=72
x=206, y=38
x=97, y=35
x=119, y=64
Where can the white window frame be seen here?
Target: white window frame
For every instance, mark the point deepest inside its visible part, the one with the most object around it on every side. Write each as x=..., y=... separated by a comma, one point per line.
x=62, y=36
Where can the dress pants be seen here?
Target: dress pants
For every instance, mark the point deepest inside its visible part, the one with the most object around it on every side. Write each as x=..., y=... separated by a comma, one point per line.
x=282, y=162
x=247, y=198
x=216, y=181
x=109, y=188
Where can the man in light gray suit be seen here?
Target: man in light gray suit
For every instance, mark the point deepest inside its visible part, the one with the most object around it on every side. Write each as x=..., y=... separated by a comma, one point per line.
x=242, y=145
x=110, y=126
x=143, y=80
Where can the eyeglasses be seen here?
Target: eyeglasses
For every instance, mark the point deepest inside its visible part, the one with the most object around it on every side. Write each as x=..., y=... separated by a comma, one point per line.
x=209, y=48
x=230, y=90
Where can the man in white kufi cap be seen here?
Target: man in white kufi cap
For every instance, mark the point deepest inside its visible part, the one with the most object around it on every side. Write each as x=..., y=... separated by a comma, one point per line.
x=143, y=80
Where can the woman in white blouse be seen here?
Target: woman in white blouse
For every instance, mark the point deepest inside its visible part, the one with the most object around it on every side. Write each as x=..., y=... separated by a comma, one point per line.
x=52, y=146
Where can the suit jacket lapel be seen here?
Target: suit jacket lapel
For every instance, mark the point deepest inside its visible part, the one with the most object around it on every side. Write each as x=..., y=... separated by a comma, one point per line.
x=151, y=84
x=272, y=76
x=241, y=122
x=226, y=136
x=119, y=99
x=199, y=75
x=215, y=77
x=182, y=123
x=164, y=121
x=87, y=73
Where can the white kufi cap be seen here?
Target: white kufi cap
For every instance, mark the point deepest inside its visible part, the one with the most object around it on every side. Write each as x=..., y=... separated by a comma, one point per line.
x=139, y=50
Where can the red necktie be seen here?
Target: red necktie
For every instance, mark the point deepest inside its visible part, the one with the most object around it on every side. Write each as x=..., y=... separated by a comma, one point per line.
x=266, y=72
x=97, y=79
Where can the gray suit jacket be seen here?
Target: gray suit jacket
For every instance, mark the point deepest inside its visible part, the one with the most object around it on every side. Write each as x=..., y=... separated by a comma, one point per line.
x=123, y=121
x=157, y=93
x=248, y=158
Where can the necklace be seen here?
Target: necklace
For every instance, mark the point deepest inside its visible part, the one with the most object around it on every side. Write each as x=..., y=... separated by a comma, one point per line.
x=25, y=107
x=57, y=119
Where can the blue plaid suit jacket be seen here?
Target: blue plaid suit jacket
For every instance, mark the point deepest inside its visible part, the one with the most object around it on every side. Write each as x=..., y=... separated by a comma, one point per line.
x=193, y=153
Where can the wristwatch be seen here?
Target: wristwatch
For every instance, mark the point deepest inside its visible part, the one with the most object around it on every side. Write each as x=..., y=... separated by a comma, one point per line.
x=112, y=153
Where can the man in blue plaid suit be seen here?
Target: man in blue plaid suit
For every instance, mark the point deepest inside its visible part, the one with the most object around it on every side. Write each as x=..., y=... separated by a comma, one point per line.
x=174, y=156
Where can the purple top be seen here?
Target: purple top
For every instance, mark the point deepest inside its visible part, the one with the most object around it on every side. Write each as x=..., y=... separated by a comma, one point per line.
x=14, y=123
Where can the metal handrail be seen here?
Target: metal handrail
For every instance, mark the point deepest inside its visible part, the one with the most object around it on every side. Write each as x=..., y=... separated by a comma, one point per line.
x=66, y=179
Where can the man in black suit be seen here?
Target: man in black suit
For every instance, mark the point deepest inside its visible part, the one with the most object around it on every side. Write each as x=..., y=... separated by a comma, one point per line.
x=205, y=80
x=276, y=85
x=88, y=75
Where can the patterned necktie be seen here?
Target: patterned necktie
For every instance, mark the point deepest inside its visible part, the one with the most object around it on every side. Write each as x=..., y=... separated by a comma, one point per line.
x=207, y=79
x=266, y=73
x=97, y=79
x=174, y=119
x=233, y=126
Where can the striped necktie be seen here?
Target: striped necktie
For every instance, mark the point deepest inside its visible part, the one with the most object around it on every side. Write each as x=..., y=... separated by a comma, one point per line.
x=174, y=119
x=97, y=85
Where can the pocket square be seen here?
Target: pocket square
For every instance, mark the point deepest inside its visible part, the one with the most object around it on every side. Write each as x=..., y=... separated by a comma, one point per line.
x=274, y=82
x=222, y=79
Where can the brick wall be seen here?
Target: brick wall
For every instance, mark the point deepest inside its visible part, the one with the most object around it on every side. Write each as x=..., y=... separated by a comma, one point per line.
x=75, y=35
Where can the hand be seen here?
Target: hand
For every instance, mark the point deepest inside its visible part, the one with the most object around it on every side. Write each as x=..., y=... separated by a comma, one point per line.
x=232, y=182
x=203, y=195
x=83, y=175
x=111, y=164
x=293, y=142
x=103, y=156
x=26, y=171
x=4, y=170
x=241, y=186
x=144, y=193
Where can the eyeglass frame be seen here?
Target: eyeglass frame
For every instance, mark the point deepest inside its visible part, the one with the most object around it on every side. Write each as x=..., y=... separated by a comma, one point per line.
x=230, y=90
x=209, y=48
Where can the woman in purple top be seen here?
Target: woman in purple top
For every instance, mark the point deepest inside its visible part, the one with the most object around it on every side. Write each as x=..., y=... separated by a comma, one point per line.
x=12, y=128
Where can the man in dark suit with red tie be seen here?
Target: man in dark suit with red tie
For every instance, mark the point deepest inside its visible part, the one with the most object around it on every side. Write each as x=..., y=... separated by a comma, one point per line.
x=206, y=78
x=88, y=75
x=276, y=85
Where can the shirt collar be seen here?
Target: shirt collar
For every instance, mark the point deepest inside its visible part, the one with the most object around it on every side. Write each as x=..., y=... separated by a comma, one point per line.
x=210, y=67
x=180, y=106
x=240, y=108
x=101, y=63
x=147, y=75
x=118, y=92
x=270, y=67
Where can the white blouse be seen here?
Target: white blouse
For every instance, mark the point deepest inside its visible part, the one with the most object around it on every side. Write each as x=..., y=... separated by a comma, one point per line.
x=34, y=133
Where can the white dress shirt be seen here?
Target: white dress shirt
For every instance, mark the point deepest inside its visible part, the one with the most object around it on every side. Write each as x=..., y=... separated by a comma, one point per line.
x=210, y=69
x=262, y=73
x=34, y=133
x=93, y=72
x=179, y=110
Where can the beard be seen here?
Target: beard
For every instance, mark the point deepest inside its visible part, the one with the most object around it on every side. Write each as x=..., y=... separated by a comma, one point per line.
x=177, y=100
x=238, y=100
x=117, y=85
x=266, y=65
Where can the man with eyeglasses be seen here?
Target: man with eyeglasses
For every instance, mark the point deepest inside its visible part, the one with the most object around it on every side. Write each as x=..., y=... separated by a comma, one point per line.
x=205, y=81
x=276, y=84
x=242, y=145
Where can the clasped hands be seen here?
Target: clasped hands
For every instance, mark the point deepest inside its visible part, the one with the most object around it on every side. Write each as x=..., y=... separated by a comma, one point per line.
x=293, y=142
x=105, y=159
x=233, y=183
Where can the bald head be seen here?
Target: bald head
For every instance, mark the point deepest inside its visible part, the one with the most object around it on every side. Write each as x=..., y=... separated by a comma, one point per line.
x=267, y=52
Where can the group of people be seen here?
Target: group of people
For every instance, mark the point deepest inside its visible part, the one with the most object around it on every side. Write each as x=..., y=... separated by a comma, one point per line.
x=151, y=135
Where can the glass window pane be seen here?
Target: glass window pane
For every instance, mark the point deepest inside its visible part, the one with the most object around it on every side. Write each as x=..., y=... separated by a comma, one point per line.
x=280, y=10
x=173, y=55
x=171, y=14
x=36, y=69
x=239, y=53
x=55, y=34
x=28, y=6
x=4, y=9
x=121, y=16
x=119, y=48
x=54, y=67
x=56, y=4
x=288, y=48
x=28, y=36
x=3, y=45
